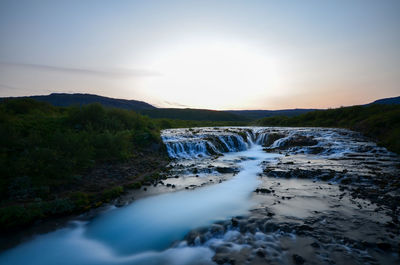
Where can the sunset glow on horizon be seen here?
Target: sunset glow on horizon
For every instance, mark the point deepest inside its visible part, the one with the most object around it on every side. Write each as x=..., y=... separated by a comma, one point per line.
x=204, y=54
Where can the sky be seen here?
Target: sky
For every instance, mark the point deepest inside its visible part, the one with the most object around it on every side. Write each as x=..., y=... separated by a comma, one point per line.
x=204, y=54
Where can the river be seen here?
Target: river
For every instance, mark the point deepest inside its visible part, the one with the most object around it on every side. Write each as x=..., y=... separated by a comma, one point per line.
x=241, y=195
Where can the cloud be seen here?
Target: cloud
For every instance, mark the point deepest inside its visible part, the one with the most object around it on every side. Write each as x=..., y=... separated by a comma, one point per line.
x=113, y=72
x=175, y=104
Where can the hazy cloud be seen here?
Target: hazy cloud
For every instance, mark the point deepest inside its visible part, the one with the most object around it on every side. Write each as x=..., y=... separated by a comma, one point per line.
x=174, y=104
x=113, y=72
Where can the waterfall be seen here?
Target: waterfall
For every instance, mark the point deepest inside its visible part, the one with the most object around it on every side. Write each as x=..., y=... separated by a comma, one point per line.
x=187, y=144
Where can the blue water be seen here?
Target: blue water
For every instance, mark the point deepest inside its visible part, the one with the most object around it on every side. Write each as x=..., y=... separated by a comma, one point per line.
x=141, y=233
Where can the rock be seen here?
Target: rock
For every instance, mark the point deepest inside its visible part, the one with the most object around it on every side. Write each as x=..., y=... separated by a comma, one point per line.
x=315, y=245
x=270, y=227
x=299, y=140
x=235, y=222
x=272, y=138
x=217, y=229
x=315, y=150
x=222, y=258
x=226, y=170
x=261, y=252
x=303, y=228
x=269, y=214
x=222, y=249
x=384, y=246
x=262, y=190
x=297, y=259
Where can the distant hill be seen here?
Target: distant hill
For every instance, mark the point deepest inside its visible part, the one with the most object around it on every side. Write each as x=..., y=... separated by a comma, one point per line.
x=258, y=114
x=193, y=114
x=387, y=101
x=64, y=100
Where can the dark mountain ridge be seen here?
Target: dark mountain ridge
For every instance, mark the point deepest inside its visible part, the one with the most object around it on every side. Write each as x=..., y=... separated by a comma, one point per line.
x=387, y=101
x=64, y=99
x=258, y=114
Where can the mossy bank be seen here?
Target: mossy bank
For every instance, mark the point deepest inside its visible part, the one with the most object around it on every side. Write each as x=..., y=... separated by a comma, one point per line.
x=58, y=161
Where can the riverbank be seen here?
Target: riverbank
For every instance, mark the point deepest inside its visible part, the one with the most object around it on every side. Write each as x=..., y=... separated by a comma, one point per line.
x=60, y=161
x=379, y=122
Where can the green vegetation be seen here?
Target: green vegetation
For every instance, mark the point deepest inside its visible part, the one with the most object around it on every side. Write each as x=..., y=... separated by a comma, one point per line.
x=380, y=122
x=46, y=152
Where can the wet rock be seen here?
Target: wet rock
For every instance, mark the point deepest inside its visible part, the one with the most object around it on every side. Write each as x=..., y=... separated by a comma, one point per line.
x=222, y=249
x=263, y=190
x=272, y=138
x=225, y=170
x=315, y=245
x=298, y=260
x=315, y=150
x=217, y=229
x=299, y=140
x=235, y=222
x=222, y=258
x=261, y=252
x=270, y=227
x=269, y=214
x=384, y=246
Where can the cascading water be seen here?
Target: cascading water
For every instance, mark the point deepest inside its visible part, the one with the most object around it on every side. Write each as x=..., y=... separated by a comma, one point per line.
x=182, y=143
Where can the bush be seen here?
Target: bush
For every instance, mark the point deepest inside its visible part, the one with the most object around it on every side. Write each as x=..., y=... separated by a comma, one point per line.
x=112, y=193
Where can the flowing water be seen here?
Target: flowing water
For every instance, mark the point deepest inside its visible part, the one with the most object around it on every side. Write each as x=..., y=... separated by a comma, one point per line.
x=242, y=196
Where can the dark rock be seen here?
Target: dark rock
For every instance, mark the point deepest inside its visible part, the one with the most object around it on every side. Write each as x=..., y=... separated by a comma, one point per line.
x=270, y=227
x=263, y=190
x=269, y=214
x=217, y=229
x=315, y=150
x=384, y=246
x=221, y=258
x=297, y=259
x=272, y=138
x=315, y=245
x=261, y=252
x=226, y=170
x=299, y=140
x=235, y=222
